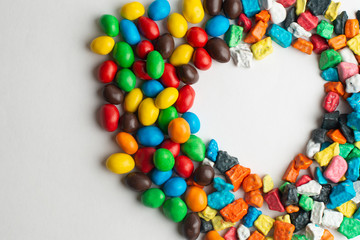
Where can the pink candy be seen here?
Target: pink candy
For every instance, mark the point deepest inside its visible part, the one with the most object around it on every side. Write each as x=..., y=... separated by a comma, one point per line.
x=336, y=169
x=303, y=180
x=286, y=3
x=231, y=234
x=308, y=21
x=347, y=70
x=331, y=101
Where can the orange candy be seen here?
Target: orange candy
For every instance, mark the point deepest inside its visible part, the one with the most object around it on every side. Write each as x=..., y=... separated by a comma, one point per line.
x=234, y=211
x=262, y=16
x=179, y=130
x=283, y=230
x=351, y=28
x=213, y=235
x=337, y=87
x=236, y=175
x=190, y=182
x=357, y=58
x=292, y=209
x=196, y=199
x=252, y=182
x=127, y=142
x=254, y=198
x=256, y=236
x=291, y=173
x=338, y=42
x=302, y=162
x=336, y=136
x=327, y=235
x=256, y=33
x=303, y=45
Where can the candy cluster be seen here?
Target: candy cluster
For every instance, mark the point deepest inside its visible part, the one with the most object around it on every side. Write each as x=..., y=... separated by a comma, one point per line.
x=158, y=131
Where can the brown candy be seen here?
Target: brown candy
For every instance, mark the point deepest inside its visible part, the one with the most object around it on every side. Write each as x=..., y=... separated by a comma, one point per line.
x=138, y=181
x=218, y=50
x=113, y=94
x=129, y=122
x=191, y=226
x=165, y=45
x=232, y=8
x=187, y=74
x=213, y=7
x=204, y=175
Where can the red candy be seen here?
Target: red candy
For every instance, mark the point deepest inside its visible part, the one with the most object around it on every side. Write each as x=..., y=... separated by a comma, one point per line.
x=186, y=99
x=173, y=147
x=107, y=71
x=286, y=3
x=320, y=44
x=184, y=167
x=331, y=101
x=169, y=77
x=139, y=69
x=109, y=117
x=245, y=22
x=196, y=37
x=148, y=28
x=308, y=21
x=303, y=180
x=202, y=59
x=143, y=48
x=272, y=198
x=144, y=159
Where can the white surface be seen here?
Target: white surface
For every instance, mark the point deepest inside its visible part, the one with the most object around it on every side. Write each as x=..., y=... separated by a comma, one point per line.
x=53, y=181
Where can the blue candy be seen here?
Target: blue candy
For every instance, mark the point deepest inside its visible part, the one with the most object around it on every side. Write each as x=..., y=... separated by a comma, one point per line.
x=150, y=136
x=175, y=187
x=129, y=32
x=217, y=25
x=251, y=216
x=352, y=173
x=159, y=10
x=220, y=199
x=319, y=176
x=159, y=177
x=251, y=7
x=357, y=214
x=357, y=136
x=354, y=101
x=353, y=121
x=341, y=193
x=212, y=150
x=325, y=145
x=280, y=35
x=151, y=88
x=330, y=74
x=193, y=121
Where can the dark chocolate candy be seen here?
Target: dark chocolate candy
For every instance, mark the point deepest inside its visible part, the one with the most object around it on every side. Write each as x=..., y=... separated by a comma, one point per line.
x=191, y=225
x=213, y=7
x=218, y=50
x=165, y=45
x=232, y=8
x=113, y=94
x=129, y=123
x=187, y=74
x=138, y=181
x=204, y=175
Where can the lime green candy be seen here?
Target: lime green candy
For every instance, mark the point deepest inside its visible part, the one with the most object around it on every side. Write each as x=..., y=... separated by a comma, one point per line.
x=153, y=198
x=110, y=25
x=299, y=237
x=155, y=65
x=306, y=203
x=175, y=209
x=325, y=29
x=165, y=117
x=126, y=79
x=164, y=160
x=350, y=227
x=329, y=58
x=355, y=153
x=194, y=148
x=233, y=36
x=123, y=54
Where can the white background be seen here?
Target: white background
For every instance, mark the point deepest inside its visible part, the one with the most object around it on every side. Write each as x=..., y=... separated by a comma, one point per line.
x=53, y=183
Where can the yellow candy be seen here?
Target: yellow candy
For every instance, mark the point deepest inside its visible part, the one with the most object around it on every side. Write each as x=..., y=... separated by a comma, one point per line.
x=347, y=209
x=324, y=157
x=262, y=48
x=332, y=11
x=354, y=44
x=357, y=144
x=132, y=11
x=207, y=214
x=177, y=25
x=193, y=11
x=268, y=183
x=343, y=178
x=285, y=218
x=182, y=55
x=120, y=163
x=300, y=6
x=220, y=224
x=133, y=100
x=148, y=112
x=269, y=238
x=166, y=98
x=264, y=224
x=102, y=45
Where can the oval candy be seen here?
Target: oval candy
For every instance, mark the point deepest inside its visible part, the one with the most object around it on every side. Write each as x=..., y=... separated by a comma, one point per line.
x=155, y=65
x=139, y=69
x=195, y=199
x=143, y=48
x=213, y=7
x=187, y=74
x=169, y=77
x=166, y=98
x=159, y=9
x=159, y=177
x=132, y=10
x=175, y=209
x=110, y=25
x=186, y=99
x=232, y=8
x=191, y=226
x=153, y=198
x=193, y=121
x=113, y=94
x=218, y=50
x=163, y=160
x=151, y=88
x=102, y=45
x=165, y=117
x=173, y=147
x=138, y=181
x=193, y=11
x=165, y=45
x=181, y=55
x=148, y=113
x=202, y=59
x=127, y=142
x=175, y=187
x=107, y=71
x=120, y=163
x=126, y=79
x=144, y=159
x=177, y=25
x=217, y=26
x=123, y=54
x=129, y=32
x=148, y=28
x=109, y=117
x=129, y=122
x=150, y=136
x=133, y=100
x=179, y=130
x=196, y=37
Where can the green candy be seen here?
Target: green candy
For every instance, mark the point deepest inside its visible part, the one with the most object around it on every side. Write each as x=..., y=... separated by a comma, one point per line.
x=194, y=148
x=282, y=187
x=175, y=209
x=123, y=54
x=110, y=25
x=155, y=65
x=345, y=149
x=163, y=160
x=329, y=58
x=233, y=36
x=153, y=198
x=355, y=153
x=126, y=79
x=165, y=117
x=350, y=227
x=325, y=29
x=299, y=237
x=306, y=203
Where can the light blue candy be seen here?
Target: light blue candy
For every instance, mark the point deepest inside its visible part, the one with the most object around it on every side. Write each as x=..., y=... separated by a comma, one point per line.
x=280, y=35
x=159, y=177
x=129, y=32
x=212, y=150
x=217, y=26
x=159, y=10
x=325, y=145
x=193, y=121
x=151, y=88
x=352, y=173
x=330, y=74
x=354, y=101
x=251, y=216
x=319, y=176
x=357, y=214
x=175, y=187
x=220, y=199
x=341, y=193
x=353, y=121
x=251, y=7
x=357, y=136
x=150, y=136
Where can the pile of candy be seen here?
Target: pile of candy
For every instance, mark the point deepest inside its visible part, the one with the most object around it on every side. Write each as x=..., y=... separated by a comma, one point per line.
x=158, y=115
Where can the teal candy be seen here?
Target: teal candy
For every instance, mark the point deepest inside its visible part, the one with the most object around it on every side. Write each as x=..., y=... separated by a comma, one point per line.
x=280, y=35
x=330, y=74
x=218, y=200
x=352, y=173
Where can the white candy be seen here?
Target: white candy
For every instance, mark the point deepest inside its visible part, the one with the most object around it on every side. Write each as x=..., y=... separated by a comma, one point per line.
x=242, y=55
x=356, y=199
x=348, y=56
x=266, y=4
x=298, y=31
x=208, y=162
x=312, y=148
x=332, y=219
x=314, y=232
x=243, y=232
x=353, y=84
x=317, y=212
x=311, y=188
x=277, y=13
